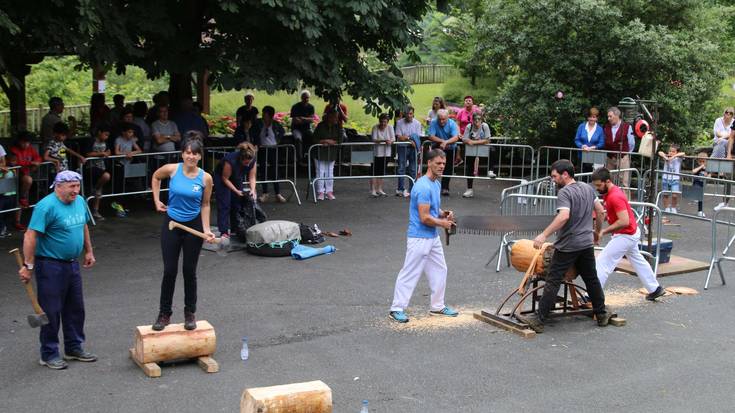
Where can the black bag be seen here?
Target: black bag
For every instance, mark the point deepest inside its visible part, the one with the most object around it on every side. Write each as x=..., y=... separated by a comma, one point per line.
x=248, y=215
x=311, y=234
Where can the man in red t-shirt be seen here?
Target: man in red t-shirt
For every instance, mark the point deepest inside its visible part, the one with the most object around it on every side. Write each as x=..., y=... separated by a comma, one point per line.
x=625, y=236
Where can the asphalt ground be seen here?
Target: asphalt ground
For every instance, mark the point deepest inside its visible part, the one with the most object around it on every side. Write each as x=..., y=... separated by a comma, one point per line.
x=326, y=319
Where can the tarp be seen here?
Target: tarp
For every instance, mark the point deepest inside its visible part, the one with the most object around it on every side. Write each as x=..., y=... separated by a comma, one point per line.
x=302, y=252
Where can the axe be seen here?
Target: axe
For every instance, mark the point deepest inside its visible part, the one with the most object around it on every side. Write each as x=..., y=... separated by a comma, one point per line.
x=221, y=243
x=39, y=318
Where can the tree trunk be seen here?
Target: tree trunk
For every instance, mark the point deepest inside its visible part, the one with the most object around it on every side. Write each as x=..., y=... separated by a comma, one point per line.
x=203, y=90
x=14, y=86
x=179, y=87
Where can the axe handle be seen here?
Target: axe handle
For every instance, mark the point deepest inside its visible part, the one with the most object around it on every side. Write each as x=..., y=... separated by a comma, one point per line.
x=192, y=231
x=29, y=287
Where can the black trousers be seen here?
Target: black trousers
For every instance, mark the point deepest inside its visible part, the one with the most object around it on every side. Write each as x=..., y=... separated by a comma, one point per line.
x=584, y=261
x=448, y=168
x=268, y=168
x=172, y=243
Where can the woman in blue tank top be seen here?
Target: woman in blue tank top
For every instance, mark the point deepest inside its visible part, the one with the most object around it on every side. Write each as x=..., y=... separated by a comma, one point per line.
x=190, y=189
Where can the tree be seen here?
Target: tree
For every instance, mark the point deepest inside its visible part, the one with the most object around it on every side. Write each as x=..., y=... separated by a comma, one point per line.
x=598, y=51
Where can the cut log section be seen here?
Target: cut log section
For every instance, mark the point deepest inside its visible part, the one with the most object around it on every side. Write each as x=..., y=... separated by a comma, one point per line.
x=174, y=343
x=308, y=397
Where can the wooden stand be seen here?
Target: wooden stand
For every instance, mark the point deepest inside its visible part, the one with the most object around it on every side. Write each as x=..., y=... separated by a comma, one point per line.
x=174, y=343
x=309, y=397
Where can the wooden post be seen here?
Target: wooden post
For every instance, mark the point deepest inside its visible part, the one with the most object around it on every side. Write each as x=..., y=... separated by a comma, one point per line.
x=309, y=397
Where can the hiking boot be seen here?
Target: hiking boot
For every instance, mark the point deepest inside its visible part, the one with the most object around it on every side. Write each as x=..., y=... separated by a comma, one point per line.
x=398, y=316
x=80, y=355
x=54, y=364
x=162, y=321
x=445, y=312
x=659, y=292
x=603, y=319
x=532, y=321
x=190, y=320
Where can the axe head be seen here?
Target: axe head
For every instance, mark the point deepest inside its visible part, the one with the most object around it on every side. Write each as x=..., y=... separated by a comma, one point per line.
x=37, y=320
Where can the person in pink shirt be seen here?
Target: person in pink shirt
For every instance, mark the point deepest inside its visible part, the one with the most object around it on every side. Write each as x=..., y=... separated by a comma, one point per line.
x=464, y=118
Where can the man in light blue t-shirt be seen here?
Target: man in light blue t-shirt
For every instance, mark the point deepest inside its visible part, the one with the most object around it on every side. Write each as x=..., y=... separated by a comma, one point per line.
x=55, y=237
x=424, y=253
x=444, y=133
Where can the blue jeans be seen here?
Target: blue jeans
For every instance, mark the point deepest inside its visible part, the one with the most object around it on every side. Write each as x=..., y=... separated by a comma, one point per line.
x=59, y=285
x=406, y=164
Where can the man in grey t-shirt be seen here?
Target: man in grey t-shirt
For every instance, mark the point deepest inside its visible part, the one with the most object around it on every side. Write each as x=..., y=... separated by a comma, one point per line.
x=574, y=246
x=165, y=132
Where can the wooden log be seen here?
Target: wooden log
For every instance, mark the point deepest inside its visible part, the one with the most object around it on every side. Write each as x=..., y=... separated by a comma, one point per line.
x=174, y=343
x=309, y=397
x=149, y=369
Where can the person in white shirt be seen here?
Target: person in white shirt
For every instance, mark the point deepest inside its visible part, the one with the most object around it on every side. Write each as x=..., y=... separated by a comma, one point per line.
x=383, y=136
x=408, y=129
x=720, y=145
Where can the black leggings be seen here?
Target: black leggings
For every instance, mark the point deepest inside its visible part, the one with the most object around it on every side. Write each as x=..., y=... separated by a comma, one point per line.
x=172, y=242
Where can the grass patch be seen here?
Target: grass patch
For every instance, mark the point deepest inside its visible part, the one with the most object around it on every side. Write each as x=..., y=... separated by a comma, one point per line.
x=226, y=103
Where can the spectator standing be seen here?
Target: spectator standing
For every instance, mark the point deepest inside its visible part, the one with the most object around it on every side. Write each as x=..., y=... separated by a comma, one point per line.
x=701, y=171
x=128, y=120
x=464, y=116
x=723, y=149
x=99, y=112
x=302, y=119
x=247, y=112
x=670, y=180
x=56, y=107
x=56, y=152
x=140, y=109
x=190, y=189
x=408, y=129
x=125, y=144
x=266, y=135
x=590, y=136
x=328, y=133
x=229, y=174
x=619, y=141
x=436, y=105
x=383, y=136
x=118, y=106
x=444, y=133
x=477, y=133
x=98, y=168
x=159, y=99
x=55, y=237
x=165, y=132
x=7, y=199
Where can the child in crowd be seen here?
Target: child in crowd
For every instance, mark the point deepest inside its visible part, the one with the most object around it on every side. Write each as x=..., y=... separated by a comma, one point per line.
x=125, y=144
x=98, y=170
x=56, y=152
x=671, y=178
x=25, y=156
x=384, y=136
x=700, y=170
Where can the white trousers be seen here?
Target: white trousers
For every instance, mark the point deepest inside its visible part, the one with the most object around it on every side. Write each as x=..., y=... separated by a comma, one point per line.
x=625, y=245
x=423, y=255
x=324, y=169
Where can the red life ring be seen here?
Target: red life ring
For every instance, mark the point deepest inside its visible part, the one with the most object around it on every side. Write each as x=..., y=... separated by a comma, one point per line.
x=641, y=127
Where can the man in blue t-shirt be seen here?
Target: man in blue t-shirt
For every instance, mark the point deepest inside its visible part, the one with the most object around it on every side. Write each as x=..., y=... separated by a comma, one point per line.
x=55, y=237
x=424, y=253
x=444, y=133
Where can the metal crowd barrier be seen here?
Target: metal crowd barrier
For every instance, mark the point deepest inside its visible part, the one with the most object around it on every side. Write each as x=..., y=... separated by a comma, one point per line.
x=494, y=161
x=617, y=175
x=354, y=160
x=585, y=160
x=695, y=189
x=42, y=178
x=10, y=190
x=213, y=155
x=719, y=255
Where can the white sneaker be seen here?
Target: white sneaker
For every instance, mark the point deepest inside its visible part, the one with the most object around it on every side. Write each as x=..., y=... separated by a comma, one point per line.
x=399, y=192
x=674, y=211
x=490, y=174
x=406, y=194
x=320, y=196
x=701, y=214
x=468, y=193
x=373, y=194
x=720, y=206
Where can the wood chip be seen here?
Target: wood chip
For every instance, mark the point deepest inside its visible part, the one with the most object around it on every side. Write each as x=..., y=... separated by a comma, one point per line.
x=682, y=290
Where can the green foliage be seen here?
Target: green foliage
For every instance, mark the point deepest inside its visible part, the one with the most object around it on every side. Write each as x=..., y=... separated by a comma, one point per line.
x=58, y=76
x=457, y=87
x=598, y=51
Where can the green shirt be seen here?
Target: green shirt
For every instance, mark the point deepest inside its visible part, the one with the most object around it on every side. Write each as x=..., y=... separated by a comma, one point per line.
x=60, y=227
x=326, y=131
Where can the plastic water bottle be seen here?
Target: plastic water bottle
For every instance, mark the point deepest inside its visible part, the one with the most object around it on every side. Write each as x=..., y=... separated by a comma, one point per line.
x=364, y=407
x=244, y=353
